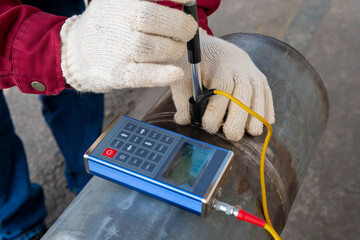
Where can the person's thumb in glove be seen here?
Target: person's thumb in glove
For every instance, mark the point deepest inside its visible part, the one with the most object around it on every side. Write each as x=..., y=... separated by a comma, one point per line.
x=124, y=44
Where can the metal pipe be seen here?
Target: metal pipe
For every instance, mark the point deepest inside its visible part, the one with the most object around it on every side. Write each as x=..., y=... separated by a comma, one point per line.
x=104, y=210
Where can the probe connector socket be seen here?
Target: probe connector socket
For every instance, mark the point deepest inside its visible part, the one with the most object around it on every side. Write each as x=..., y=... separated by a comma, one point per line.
x=226, y=208
x=198, y=107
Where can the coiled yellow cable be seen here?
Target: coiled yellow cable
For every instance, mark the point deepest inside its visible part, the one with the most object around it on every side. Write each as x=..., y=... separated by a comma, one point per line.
x=263, y=153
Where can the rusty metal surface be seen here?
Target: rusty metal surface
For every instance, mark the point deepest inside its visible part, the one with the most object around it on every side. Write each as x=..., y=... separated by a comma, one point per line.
x=104, y=210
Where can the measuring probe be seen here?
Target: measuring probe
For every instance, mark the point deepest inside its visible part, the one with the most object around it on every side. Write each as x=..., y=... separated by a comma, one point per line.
x=197, y=108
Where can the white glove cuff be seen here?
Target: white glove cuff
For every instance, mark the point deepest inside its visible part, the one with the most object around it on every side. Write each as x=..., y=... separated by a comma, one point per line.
x=69, y=62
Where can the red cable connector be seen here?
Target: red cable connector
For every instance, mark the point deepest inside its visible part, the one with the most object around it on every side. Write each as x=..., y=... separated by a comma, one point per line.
x=247, y=217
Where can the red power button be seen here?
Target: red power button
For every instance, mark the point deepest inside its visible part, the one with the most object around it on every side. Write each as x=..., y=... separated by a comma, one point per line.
x=109, y=152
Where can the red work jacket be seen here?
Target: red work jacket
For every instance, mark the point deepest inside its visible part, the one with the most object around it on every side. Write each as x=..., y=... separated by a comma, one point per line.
x=30, y=45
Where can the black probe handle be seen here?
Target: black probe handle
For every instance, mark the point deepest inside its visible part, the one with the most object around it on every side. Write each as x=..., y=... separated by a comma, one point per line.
x=193, y=46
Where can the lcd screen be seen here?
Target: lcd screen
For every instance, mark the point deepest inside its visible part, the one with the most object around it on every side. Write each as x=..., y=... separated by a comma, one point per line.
x=187, y=166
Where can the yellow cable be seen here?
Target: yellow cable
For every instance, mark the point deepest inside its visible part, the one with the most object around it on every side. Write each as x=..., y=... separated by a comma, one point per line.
x=263, y=153
x=272, y=231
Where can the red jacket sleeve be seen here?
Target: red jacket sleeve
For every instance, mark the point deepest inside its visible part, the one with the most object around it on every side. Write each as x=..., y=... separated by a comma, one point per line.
x=29, y=48
x=30, y=45
x=205, y=8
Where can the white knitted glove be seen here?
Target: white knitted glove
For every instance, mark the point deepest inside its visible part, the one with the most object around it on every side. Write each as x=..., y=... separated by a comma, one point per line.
x=124, y=44
x=228, y=68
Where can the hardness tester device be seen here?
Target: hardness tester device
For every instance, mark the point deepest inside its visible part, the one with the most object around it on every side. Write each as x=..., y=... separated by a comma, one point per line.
x=169, y=166
x=166, y=165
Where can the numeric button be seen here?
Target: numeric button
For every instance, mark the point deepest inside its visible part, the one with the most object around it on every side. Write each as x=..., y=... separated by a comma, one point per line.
x=166, y=139
x=154, y=157
x=136, y=139
x=130, y=127
x=116, y=143
x=155, y=135
x=142, y=152
x=161, y=148
x=135, y=162
x=148, y=166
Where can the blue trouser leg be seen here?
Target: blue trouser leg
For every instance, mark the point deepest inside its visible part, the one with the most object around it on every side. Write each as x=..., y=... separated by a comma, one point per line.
x=75, y=120
x=21, y=203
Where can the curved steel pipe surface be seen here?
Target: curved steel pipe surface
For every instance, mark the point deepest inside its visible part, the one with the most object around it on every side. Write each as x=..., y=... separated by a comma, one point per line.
x=104, y=210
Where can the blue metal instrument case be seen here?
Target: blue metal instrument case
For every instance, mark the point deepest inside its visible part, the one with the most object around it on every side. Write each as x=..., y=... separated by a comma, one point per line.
x=160, y=163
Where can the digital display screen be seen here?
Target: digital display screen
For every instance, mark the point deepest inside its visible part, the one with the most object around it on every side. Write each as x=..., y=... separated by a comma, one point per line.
x=187, y=166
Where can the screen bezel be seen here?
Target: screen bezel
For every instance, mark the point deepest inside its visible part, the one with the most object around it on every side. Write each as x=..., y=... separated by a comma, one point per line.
x=208, y=173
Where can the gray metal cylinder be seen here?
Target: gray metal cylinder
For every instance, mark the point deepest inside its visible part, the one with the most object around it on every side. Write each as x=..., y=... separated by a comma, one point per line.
x=104, y=210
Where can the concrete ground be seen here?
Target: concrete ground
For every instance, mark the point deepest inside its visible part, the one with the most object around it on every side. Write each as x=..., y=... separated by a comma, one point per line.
x=327, y=32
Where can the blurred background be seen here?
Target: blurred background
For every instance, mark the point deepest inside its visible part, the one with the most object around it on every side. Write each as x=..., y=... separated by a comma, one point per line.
x=327, y=33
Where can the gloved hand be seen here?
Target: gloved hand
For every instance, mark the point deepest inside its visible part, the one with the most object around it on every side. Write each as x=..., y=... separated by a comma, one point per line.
x=122, y=44
x=226, y=67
